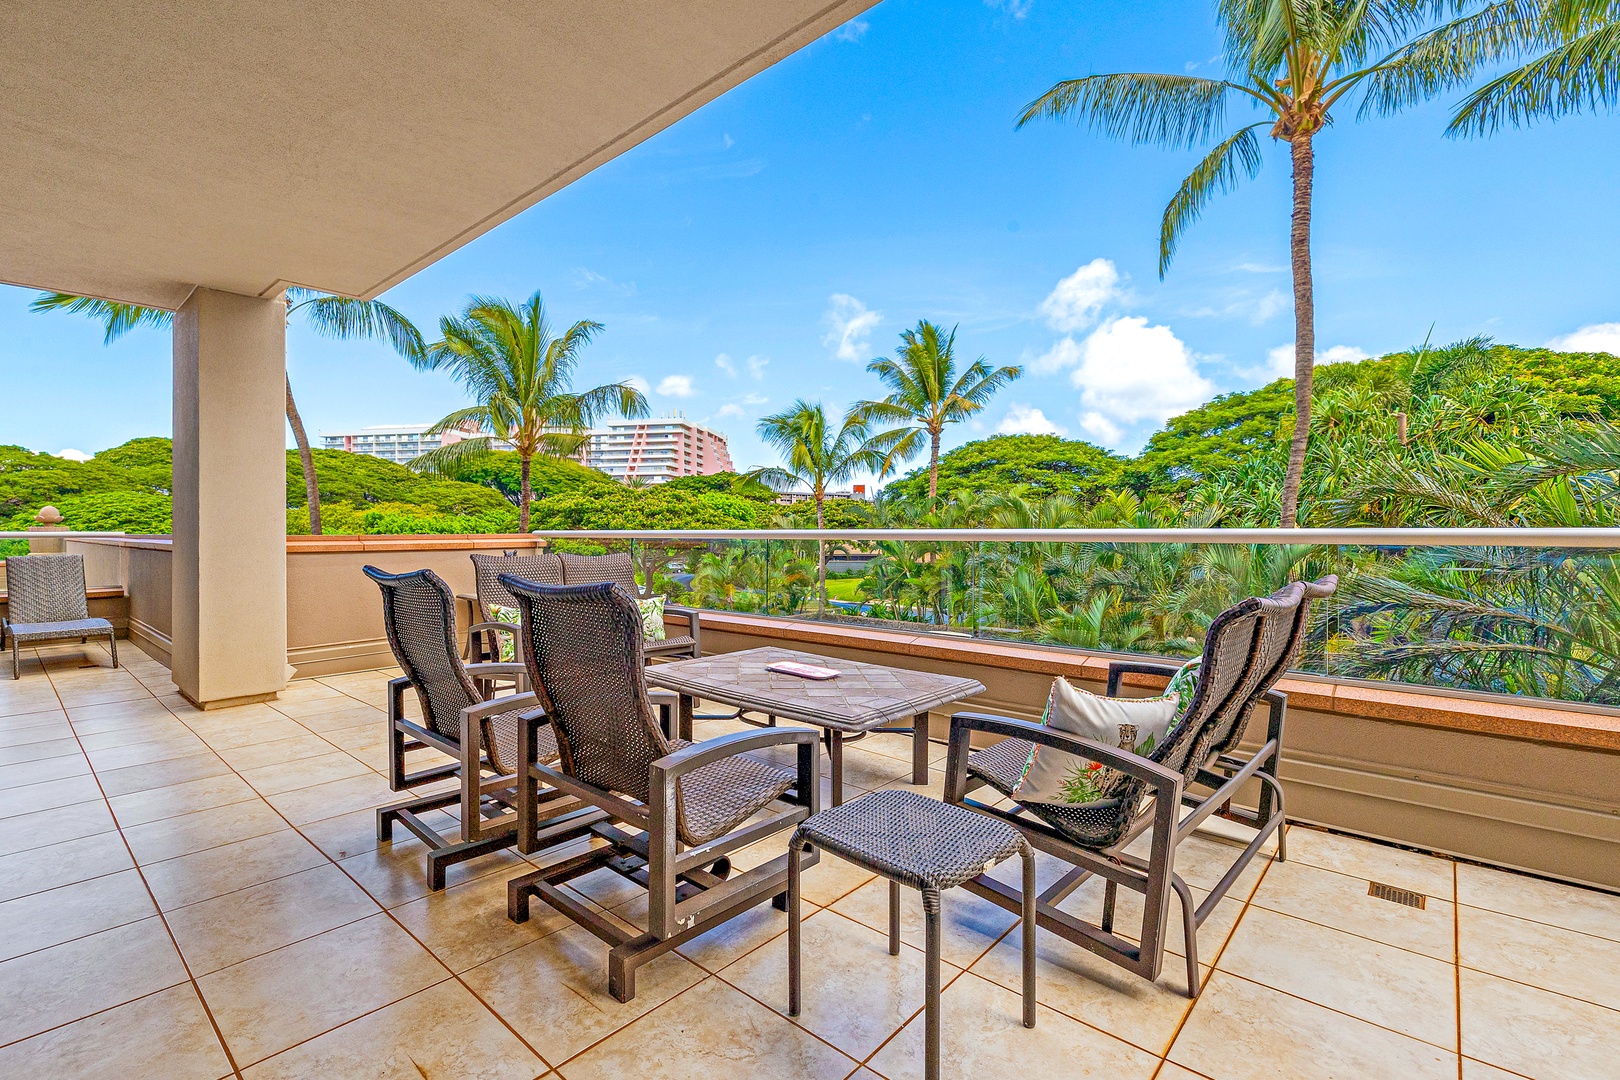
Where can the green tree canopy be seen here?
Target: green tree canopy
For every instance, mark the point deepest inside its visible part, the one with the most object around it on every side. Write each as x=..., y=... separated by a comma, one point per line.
x=1037, y=464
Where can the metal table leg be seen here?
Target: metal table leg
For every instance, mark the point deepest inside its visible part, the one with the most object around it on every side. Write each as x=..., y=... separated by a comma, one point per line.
x=919, y=749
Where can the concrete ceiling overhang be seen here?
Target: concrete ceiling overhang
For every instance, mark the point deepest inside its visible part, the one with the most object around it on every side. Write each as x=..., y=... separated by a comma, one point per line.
x=149, y=147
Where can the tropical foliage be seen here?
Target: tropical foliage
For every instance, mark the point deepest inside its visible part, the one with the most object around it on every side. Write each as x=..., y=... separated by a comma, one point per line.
x=520, y=377
x=1293, y=62
x=926, y=394
x=330, y=316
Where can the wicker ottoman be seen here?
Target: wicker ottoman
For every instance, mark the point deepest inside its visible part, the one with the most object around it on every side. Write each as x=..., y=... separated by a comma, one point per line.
x=913, y=840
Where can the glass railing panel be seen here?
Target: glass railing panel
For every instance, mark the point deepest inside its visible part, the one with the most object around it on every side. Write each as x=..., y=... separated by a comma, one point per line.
x=1525, y=620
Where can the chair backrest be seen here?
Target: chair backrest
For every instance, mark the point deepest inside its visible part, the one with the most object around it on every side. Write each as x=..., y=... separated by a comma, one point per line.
x=1231, y=675
x=419, y=613
x=590, y=569
x=46, y=588
x=585, y=663
x=544, y=567
x=1277, y=653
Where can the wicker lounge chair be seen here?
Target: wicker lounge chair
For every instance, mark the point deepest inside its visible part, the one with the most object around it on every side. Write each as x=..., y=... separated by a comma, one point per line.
x=47, y=601
x=1246, y=650
x=687, y=806
x=459, y=718
x=484, y=636
x=617, y=568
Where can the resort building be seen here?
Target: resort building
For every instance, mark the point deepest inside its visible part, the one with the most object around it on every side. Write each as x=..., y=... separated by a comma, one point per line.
x=398, y=443
x=657, y=450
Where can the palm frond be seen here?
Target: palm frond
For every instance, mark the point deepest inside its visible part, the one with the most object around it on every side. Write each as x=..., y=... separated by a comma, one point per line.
x=345, y=318
x=117, y=319
x=1223, y=169
x=1581, y=73
x=1174, y=111
x=446, y=460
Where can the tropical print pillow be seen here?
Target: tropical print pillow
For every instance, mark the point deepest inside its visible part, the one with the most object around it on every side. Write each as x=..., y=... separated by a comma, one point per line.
x=1135, y=725
x=652, y=618
x=1183, y=684
x=508, y=645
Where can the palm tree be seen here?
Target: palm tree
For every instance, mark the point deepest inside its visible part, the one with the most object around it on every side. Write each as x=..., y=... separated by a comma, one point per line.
x=815, y=456
x=520, y=377
x=330, y=316
x=1578, y=65
x=1293, y=60
x=925, y=392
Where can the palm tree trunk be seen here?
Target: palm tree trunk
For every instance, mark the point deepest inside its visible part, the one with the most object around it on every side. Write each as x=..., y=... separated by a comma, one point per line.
x=525, y=493
x=1304, y=326
x=312, y=488
x=821, y=560
x=933, y=467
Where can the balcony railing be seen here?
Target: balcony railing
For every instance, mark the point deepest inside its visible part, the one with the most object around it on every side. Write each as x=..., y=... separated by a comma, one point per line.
x=1526, y=612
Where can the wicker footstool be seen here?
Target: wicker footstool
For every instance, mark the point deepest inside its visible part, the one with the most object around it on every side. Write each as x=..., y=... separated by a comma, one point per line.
x=913, y=840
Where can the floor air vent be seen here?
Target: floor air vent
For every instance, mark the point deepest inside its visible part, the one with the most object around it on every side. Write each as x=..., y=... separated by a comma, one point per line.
x=1397, y=896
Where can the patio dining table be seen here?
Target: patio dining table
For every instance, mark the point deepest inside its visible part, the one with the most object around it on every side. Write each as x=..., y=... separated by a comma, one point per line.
x=863, y=698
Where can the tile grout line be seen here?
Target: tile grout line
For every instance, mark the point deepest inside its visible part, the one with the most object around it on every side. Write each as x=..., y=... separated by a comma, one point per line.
x=1456, y=961
x=230, y=1058
x=1215, y=960
x=383, y=910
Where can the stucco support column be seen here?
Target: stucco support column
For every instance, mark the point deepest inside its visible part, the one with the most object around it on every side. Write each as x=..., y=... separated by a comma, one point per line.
x=229, y=625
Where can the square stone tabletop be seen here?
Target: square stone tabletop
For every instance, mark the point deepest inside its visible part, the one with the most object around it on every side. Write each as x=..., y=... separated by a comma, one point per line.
x=862, y=697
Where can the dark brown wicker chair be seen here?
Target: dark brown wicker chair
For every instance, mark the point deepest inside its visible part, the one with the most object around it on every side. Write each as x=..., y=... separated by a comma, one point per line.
x=1246, y=650
x=484, y=635
x=690, y=805
x=46, y=600
x=617, y=568
x=461, y=718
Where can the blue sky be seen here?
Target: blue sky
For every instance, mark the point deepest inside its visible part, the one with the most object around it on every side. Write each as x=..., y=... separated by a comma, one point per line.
x=767, y=246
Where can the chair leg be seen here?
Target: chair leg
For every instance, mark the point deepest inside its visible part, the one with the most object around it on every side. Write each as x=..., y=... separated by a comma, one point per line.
x=16, y=668
x=894, y=918
x=1189, y=933
x=931, y=1004
x=794, y=931
x=112, y=644
x=1028, y=928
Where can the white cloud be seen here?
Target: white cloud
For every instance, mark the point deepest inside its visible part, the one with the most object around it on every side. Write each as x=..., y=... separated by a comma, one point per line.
x=849, y=327
x=1259, y=268
x=1063, y=354
x=638, y=382
x=731, y=410
x=1599, y=337
x=1016, y=8
x=723, y=362
x=853, y=30
x=1269, y=305
x=1100, y=429
x=1280, y=361
x=1131, y=372
x=755, y=399
x=1027, y=420
x=73, y=455
x=756, y=366
x=676, y=386
x=1075, y=302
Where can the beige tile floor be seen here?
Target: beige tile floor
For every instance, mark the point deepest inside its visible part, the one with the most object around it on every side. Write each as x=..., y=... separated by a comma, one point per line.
x=201, y=895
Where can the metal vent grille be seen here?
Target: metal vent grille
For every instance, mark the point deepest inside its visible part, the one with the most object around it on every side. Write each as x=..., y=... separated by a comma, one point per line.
x=1397, y=896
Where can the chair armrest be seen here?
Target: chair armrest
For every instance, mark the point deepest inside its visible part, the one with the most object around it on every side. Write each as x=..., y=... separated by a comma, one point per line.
x=693, y=629
x=1117, y=669
x=495, y=669
x=963, y=724
x=503, y=627
x=496, y=706
x=691, y=758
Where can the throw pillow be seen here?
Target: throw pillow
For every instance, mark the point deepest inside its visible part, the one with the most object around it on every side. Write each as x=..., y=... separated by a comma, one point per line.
x=1136, y=725
x=652, y=617
x=1182, y=684
x=512, y=615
